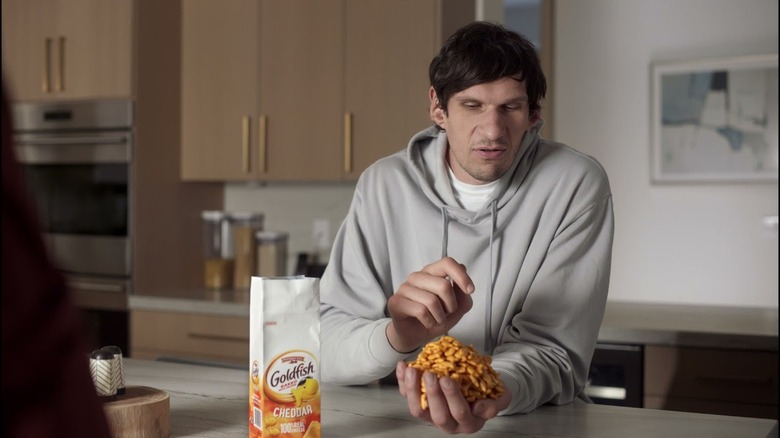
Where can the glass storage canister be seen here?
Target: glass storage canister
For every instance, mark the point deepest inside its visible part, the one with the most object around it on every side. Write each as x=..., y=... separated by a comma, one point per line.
x=271, y=253
x=218, y=255
x=244, y=225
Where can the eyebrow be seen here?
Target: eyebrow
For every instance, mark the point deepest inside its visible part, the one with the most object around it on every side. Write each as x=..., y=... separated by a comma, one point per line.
x=467, y=98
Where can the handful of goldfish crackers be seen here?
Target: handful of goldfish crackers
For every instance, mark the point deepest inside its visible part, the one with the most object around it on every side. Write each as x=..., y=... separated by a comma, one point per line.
x=447, y=357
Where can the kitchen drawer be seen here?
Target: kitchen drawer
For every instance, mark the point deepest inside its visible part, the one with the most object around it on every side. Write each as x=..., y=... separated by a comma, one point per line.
x=717, y=375
x=218, y=338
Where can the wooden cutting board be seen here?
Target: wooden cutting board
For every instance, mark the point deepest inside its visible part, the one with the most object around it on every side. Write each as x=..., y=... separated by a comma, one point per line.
x=141, y=412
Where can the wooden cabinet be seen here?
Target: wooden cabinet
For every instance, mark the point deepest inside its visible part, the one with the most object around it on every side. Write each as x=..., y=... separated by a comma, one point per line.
x=156, y=334
x=261, y=90
x=389, y=47
x=300, y=89
x=68, y=49
x=714, y=381
x=305, y=90
x=219, y=88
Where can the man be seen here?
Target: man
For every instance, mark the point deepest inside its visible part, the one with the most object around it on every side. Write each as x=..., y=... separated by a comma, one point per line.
x=47, y=387
x=478, y=229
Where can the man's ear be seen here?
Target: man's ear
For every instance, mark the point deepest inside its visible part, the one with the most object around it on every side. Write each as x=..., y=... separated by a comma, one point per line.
x=535, y=116
x=436, y=111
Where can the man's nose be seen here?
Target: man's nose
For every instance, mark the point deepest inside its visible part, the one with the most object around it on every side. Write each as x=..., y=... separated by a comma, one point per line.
x=493, y=124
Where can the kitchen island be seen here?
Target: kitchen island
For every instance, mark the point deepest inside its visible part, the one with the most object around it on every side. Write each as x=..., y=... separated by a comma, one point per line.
x=213, y=402
x=693, y=358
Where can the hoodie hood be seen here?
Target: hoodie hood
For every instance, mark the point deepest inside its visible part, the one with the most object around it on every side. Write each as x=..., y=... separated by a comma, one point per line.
x=427, y=153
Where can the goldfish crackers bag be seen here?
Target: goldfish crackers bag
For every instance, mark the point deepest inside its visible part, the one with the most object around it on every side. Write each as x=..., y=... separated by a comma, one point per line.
x=284, y=349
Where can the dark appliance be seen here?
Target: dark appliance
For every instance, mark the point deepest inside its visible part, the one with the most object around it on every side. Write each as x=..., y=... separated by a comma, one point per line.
x=77, y=159
x=616, y=375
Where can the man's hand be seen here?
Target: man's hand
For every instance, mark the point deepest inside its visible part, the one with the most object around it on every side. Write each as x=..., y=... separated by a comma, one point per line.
x=447, y=408
x=429, y=303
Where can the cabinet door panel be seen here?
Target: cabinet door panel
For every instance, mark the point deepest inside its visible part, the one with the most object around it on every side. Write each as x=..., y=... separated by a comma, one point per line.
x=26, y=26
x=741, y=376
x=711, y=407
x=68, y=49
x=189, y=336
x=219, y=88
x=389, y=46
x=300, y=88
x=94, y=49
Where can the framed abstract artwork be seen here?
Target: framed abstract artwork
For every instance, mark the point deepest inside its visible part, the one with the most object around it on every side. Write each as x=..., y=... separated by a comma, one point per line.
x=715, y=120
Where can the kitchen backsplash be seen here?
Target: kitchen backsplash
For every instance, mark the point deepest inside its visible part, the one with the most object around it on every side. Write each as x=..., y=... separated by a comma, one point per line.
x=293, y=208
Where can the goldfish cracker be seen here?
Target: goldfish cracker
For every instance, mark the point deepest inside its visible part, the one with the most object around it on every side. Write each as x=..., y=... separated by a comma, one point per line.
x=314, y=430
x=447, y=357
x=270, y=421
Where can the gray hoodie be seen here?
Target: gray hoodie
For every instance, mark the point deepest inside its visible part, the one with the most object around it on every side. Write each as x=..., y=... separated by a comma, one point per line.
x=538, y=252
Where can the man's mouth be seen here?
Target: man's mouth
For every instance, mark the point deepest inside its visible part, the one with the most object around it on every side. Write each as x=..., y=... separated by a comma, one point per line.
x=490, y=153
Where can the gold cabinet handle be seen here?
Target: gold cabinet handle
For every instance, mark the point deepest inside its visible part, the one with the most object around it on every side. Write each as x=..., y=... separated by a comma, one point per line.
x=262, y=142
x=45, y=77
x=245, y=143
x=347, y=142
x=59, y=84
x=220, y=338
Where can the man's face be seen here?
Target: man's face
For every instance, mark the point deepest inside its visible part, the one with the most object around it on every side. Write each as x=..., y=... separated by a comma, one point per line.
x=485, y=125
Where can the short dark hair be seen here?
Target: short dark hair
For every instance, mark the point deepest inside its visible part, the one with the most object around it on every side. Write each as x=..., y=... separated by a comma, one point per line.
x=482, y=52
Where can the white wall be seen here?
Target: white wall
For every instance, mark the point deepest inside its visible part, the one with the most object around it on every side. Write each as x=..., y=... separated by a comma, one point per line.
x=691, y=243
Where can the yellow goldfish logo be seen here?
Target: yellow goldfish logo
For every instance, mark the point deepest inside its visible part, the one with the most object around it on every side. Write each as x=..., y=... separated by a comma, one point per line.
x=306, y=390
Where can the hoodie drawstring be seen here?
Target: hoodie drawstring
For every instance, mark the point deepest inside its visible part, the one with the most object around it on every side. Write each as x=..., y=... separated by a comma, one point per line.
x=445, y=221
x=489, y=303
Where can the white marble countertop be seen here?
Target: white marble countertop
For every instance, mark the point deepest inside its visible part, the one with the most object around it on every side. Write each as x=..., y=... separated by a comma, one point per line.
x=213, y=402
x=690, y=325
x=624, y=322
x=200, y=301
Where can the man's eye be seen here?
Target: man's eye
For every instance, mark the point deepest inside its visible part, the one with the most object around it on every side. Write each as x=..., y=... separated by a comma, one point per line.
x=471, y=105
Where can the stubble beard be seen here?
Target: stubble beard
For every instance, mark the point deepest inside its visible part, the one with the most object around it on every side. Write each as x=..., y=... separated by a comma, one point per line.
x=489, y=172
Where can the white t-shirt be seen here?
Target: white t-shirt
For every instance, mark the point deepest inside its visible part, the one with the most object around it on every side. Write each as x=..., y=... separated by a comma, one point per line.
x=469, y=196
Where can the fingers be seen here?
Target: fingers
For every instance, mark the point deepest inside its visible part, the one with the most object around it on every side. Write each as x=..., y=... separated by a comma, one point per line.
x=400, y=375
x=448, y=267
x=489, y=408
x=441, y=291
x=428, y=304
x=465, y=302
x=485, y=409
x=449, y=410
x=438, y=403
x=413, y=391
x=435, y=292
x=424, y=306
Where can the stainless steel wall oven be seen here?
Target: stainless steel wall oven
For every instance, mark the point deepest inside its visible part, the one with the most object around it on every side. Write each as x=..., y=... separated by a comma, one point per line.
x=77, y=158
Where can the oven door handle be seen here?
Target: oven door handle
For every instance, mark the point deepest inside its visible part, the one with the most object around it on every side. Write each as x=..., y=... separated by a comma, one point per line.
x=99, y=287
x=74, y=150
x=69, y=141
